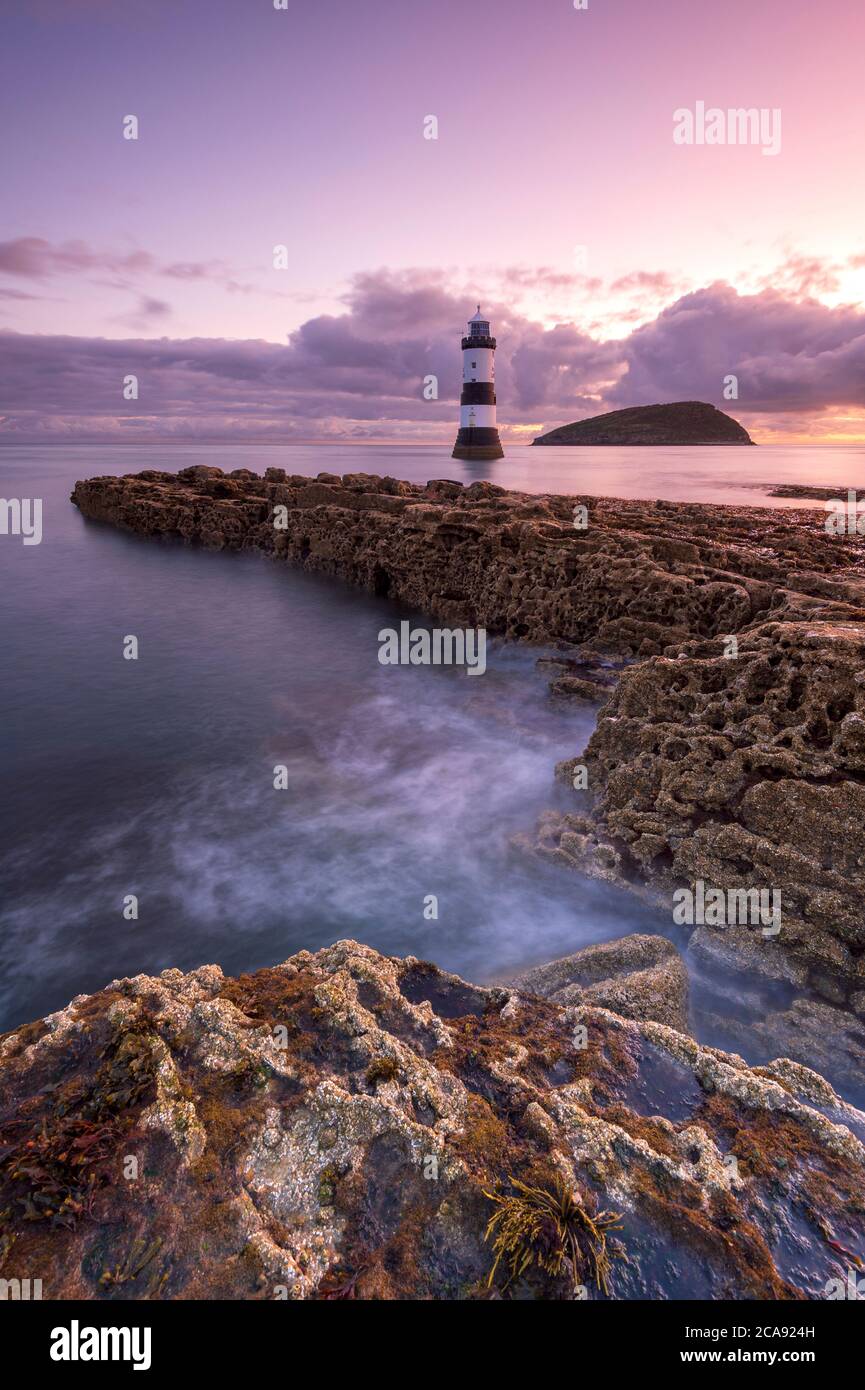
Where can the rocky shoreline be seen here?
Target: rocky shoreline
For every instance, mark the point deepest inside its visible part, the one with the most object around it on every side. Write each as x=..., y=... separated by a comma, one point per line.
x=346, y=1125
x=351, y=1125
x=725, y=645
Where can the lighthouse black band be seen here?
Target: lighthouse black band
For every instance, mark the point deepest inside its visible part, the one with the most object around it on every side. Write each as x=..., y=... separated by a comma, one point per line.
x=477, y=437
x=478, y=393
x=477, y=341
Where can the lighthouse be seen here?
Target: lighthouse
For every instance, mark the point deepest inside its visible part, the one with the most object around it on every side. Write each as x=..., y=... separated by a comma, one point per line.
x=478, y=437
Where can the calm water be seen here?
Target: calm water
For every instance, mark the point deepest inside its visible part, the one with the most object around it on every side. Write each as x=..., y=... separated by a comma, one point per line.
x=730, y=475
x=155, y=777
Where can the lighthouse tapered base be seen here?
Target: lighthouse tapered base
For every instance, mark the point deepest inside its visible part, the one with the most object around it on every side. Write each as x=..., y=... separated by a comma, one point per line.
x=476, y=443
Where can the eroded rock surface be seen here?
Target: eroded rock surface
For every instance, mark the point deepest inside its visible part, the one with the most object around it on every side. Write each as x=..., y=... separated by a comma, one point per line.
x=827, y=494
x=740, y=767
x=641, y=577
x=743, y=772
x=641, y=977
x=331, y=1127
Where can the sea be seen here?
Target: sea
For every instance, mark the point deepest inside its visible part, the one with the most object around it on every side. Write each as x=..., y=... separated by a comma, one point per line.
x=141, y=827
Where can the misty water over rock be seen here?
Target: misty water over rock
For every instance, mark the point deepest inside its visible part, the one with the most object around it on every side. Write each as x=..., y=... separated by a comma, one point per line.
x=402, y=782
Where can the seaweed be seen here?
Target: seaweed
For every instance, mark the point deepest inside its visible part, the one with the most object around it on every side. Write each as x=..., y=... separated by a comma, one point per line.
x=548, y=1227
x=382, y=1069
x=68, y=1155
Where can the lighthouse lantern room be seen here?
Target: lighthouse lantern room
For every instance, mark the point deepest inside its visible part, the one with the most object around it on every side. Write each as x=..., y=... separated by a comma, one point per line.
x=478, y=437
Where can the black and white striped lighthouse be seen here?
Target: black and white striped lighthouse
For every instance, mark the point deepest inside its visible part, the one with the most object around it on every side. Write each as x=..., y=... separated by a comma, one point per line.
x=478, y=437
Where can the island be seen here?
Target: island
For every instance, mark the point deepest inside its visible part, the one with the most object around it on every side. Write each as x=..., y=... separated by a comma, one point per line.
x=678, y=422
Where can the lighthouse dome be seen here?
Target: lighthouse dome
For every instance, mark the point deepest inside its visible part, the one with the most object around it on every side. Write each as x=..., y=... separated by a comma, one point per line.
x=479, y=326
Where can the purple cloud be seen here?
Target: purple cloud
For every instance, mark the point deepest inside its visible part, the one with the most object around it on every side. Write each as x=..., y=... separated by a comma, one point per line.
x=35, y=258
x=788, y=354
x=362, y=372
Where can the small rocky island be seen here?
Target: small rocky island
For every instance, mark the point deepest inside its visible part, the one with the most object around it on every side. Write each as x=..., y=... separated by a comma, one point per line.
x=679, y=422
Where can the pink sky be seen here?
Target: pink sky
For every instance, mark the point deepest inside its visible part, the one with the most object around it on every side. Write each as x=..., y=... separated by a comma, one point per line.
x=304, y=127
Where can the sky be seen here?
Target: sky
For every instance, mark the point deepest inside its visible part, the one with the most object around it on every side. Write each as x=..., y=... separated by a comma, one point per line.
x=619, y=265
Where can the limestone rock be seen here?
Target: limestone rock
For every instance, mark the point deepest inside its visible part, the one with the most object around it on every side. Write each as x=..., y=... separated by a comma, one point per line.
x=744, y=773
x=349, y=1113
x=641, y=977
x=739, y=765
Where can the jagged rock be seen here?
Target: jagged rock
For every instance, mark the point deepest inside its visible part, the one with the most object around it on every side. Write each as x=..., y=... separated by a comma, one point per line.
x=641, y=977
x=744, y=771
x=331, y=1128
x=578, y=690
x=748, y=952
x=826, y=494
x=643, y=576
x=586, y=680
x=831, y=1039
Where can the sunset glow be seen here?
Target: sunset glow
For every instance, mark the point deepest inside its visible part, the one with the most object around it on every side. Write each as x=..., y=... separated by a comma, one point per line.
x=554, y=192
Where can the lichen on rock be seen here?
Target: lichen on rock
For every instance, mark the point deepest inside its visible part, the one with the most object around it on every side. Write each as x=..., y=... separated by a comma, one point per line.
x=344, y=1124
